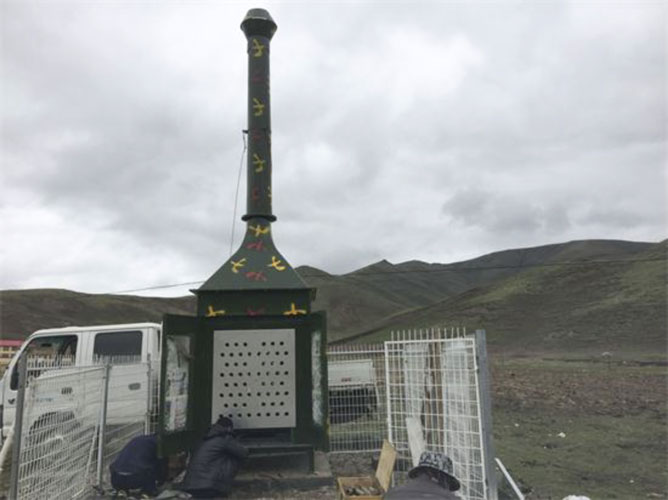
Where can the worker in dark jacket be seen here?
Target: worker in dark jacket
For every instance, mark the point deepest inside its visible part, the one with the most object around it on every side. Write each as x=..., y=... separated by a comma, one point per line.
x=431, y=479
x=137, y=466
x=215, y=462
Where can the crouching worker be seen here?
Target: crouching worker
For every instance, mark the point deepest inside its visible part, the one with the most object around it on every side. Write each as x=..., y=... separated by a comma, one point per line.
x=137, y=466
x=215, y=462
x=431, y=479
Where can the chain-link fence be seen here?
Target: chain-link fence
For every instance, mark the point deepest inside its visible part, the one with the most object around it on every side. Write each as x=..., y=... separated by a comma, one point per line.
x=71, y=422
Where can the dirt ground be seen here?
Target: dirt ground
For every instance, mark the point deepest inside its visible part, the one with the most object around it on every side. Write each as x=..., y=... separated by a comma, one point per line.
x=580, y=387
x=580, y=427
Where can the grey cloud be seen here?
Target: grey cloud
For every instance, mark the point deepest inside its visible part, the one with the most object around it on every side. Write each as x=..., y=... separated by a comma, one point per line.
x=611, y=218
x=546, y=126
x=468, y=206
x=494, y=213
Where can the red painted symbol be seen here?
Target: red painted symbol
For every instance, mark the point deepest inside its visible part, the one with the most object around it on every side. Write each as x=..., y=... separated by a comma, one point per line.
x=251, y=312
x=257, y=245
x=255, y=135
x=258, y=76
x=256, y=276
x=255, y=194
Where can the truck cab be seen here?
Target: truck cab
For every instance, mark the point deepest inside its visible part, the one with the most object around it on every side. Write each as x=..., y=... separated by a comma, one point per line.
x=79, y=346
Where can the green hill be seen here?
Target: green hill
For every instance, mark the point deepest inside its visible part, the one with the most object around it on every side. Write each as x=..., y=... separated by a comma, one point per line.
x=582, y=295
x=574, y=300
x=378, y=295
x=24, y=311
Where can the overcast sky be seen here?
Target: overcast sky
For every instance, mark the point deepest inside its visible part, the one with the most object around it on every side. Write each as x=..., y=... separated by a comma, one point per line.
x=432, y=131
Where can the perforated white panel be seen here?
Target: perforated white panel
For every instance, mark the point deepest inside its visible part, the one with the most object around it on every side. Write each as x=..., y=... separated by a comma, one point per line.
x=254, y=378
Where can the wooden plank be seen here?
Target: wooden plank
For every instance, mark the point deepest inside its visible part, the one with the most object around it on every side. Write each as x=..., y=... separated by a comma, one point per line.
x=415, y=438
x=388, y=456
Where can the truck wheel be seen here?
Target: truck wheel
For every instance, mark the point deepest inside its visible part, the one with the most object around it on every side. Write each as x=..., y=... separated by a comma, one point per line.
x=51, y=434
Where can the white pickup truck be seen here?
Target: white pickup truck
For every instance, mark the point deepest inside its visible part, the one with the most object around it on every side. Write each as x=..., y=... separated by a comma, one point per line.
x=86, y=346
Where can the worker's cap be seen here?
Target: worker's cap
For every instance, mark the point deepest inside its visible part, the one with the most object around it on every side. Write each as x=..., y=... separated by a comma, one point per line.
x=439, y=462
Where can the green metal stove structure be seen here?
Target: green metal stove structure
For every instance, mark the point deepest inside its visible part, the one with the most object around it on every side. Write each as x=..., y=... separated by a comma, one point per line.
x=255, y=352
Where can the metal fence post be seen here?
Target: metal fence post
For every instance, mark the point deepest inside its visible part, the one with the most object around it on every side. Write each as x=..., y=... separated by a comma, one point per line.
x=18, y=427
x=387, y=392
x=486, y=413
x=149, y=395
x=102, y=424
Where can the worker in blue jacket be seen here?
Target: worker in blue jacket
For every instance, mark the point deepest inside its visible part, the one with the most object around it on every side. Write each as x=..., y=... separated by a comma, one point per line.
x=137, y=466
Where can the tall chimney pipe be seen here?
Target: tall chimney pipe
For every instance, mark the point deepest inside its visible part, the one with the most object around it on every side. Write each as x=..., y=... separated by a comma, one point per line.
x=256, y=279
x=259, y=28
x=254, y=307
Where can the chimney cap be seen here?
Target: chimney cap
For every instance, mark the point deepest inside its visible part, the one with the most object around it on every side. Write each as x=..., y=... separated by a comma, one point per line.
x=258, y=22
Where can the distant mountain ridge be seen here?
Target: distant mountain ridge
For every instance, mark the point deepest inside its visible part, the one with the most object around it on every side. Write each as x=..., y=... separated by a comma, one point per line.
x=527, y=297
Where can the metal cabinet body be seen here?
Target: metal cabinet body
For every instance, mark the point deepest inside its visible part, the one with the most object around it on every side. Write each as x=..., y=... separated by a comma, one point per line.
x=193, y=391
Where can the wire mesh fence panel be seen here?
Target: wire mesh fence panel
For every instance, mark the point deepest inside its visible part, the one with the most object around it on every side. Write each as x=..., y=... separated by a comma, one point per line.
x=357, y=402
x=36, y=365
x=68, y=410
x=131, y=403
x=433, y=403
x=60, y=419
x=462, y=424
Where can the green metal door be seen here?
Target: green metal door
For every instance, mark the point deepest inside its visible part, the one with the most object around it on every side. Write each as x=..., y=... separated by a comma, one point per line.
x=178, y=376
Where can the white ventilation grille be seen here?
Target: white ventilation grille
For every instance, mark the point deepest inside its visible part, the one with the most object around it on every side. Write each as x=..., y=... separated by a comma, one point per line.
x=254, y=378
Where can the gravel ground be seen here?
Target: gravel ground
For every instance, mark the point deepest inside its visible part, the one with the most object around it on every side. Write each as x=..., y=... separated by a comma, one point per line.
x=353, y=464
x=323, y=493
x=342, y=464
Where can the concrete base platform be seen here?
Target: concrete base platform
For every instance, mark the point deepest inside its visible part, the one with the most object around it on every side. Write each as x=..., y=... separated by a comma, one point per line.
x=287, y=473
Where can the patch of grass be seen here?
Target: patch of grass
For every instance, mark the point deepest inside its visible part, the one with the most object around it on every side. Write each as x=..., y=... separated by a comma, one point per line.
x=646, y=279
x=600, y=456
x=519, y=284
x=613, y=418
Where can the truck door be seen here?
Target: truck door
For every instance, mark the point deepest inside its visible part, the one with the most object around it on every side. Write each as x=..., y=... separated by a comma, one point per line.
x=49, y=350
x=128, y=378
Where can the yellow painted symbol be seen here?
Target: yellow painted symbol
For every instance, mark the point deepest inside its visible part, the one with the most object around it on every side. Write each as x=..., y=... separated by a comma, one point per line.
x=211, y=313
x=276, y=264
x=293, y=311
x=258, y=162
x=238, y=264
x=259, y=230
x=269, y=191
x=258, y=48
x=258, y=107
